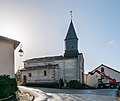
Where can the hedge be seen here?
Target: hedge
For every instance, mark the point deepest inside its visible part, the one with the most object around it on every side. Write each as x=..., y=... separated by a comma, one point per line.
x=8, y=86
x=48, y=85
x=75, y=84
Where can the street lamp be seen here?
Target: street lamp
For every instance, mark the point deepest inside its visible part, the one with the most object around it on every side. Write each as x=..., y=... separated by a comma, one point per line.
x=21, y=53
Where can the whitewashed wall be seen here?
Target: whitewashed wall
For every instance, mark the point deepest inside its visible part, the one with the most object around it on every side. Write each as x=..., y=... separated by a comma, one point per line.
x=92, y=80
x=38, y=75
x=68, y=69
x=81, y=68
x=6, y=58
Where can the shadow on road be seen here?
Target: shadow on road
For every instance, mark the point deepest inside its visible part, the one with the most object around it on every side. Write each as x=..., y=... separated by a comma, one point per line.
x=106, y=92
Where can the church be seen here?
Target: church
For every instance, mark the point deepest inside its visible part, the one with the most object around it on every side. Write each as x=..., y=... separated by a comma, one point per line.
x=69, y=66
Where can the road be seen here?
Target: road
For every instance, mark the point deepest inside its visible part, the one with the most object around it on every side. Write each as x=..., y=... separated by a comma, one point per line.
x=50, y=94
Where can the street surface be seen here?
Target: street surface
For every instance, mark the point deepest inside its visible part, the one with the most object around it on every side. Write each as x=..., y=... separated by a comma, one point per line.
x=51, y=94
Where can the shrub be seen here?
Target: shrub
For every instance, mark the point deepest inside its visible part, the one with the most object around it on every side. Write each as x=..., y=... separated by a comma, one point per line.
x=8, y=86
x=75, y=84
x=48, y=85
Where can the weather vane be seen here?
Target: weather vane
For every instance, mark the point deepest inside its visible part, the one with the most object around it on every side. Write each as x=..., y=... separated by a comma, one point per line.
x=71, y=14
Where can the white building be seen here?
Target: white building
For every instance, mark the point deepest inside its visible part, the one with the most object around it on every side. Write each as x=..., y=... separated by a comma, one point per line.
x=52, y=69
x=92, y=80
x=7, y=47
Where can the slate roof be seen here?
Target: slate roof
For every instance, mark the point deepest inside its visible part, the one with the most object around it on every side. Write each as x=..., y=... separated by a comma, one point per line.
x=71, y=34
x=15, y=42
x=44, y=59
x=71, y=54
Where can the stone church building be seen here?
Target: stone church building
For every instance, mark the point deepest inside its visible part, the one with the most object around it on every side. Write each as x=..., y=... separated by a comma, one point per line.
x=69, y=66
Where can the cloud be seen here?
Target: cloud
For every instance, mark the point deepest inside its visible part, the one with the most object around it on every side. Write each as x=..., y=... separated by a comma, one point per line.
x=110, y=42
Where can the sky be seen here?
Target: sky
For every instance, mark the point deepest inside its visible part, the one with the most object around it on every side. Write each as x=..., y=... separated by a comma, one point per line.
x=41, y=27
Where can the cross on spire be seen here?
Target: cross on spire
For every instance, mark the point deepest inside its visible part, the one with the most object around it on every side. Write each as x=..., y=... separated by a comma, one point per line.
x=71, y=14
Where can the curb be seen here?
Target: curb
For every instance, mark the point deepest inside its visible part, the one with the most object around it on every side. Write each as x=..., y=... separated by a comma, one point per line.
x=25, y=96
x=33, y=98
x=6, y=98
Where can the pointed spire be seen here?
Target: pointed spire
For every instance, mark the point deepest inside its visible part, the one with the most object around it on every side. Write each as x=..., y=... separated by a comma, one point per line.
x=71, y=34
x=71, y=42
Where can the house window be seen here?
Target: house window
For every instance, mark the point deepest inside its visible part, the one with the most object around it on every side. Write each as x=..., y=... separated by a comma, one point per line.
x=45, y=73
x=29, y=74
x=102, y=69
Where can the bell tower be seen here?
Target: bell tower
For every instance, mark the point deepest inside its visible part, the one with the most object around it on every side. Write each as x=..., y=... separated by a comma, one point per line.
x=71, y=42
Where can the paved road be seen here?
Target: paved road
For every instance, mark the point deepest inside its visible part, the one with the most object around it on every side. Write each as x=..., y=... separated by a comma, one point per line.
x=107, y=92
x=50, y=94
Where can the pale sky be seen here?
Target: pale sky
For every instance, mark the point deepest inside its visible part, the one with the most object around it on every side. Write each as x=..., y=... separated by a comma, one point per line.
x=41, y=26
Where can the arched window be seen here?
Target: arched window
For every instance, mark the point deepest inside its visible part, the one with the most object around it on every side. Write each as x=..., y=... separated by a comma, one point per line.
x=45, y=73
x=29, y=74
x=102, y=69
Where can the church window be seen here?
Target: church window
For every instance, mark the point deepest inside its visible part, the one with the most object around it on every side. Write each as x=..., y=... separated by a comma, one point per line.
x=45, y=73
x=29, y=74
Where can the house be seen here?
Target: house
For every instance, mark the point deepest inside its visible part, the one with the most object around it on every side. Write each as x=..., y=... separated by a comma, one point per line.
x=7, y=48
x=92, y=80
x=69, y=66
